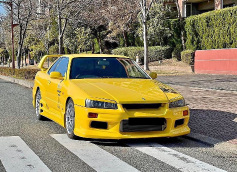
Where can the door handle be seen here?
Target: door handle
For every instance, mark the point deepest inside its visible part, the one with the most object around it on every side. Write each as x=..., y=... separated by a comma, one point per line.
x=49, y=82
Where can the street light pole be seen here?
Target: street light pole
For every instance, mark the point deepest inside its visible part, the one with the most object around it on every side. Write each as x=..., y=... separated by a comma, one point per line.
x=12, y=26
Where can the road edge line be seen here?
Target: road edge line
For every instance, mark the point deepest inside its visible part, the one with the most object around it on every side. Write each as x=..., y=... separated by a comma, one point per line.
x=28, y=84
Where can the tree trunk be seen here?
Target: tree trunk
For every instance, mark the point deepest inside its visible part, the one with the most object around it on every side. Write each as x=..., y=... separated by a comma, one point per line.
x=181, y=24
x=59, y=35
x=19, y=56
x=144, y=13
x=93, y=47
x=59, y=29
x=25, y=60
x=146, y=60
x=22, y=61
x=125, y=36
x=60, y=45
x=100, y=43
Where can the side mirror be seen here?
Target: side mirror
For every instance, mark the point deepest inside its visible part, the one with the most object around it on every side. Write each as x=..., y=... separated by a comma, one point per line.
x=56, y=75
x=153, y=75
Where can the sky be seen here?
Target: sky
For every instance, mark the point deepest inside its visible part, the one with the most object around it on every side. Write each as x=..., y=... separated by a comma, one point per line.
x=1, y=9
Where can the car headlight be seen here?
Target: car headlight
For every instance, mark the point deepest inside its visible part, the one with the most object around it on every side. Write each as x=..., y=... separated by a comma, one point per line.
x=100, y=105
x=178, y=103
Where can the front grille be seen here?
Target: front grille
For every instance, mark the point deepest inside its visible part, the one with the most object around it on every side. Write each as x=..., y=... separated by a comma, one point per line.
x=143, y=124
x=142, y=106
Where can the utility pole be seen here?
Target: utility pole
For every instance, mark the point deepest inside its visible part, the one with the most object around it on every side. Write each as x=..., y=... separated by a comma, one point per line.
x=10, y=4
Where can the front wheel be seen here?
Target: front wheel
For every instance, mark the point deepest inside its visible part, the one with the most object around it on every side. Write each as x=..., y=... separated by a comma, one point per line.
x=37, y=105
x=70, y=119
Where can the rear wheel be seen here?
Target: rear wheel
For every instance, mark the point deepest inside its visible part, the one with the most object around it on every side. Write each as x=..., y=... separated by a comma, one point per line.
x=37, y=105
x=70, y=119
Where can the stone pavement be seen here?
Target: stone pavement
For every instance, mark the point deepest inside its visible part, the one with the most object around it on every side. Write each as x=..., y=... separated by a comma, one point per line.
x=213, y=103
x=216, y=82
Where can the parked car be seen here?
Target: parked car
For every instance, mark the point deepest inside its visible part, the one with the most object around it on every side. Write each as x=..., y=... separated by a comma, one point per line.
x=107, y=97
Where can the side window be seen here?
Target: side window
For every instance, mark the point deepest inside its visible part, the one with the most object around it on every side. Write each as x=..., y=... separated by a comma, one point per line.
x=62, y=66
x=54, y=66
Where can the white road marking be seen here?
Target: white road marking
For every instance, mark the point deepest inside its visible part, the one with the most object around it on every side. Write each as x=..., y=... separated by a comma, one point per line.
x=235, y=120
x=175, y=159
x=94, y=156
x=16, y=156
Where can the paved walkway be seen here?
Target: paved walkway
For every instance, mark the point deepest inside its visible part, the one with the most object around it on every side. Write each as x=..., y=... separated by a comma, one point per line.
x=216, y=82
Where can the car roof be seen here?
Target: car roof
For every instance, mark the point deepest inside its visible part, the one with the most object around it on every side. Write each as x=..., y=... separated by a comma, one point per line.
x=93, y=55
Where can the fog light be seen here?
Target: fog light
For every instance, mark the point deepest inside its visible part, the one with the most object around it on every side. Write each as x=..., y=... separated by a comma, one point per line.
x=92, y=115
x=185, y=113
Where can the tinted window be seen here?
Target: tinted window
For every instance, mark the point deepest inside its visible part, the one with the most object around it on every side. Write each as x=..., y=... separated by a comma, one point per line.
x=103, y=67
x=54, y=66
x=62, y=66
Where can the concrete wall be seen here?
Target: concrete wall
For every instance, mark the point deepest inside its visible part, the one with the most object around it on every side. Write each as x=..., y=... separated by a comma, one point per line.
x=220, y=61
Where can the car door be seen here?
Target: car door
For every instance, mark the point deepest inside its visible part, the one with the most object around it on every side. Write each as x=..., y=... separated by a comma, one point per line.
x=46, y=84
x=54, y=87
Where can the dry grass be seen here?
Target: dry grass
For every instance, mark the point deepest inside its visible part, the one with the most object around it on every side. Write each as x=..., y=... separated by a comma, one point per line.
x=170, y=67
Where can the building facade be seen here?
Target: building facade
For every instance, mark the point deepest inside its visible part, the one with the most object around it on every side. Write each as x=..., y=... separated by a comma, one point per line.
x=194, y=7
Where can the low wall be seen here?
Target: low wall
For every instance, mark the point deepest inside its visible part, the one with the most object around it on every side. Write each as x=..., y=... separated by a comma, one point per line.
x=219, y=61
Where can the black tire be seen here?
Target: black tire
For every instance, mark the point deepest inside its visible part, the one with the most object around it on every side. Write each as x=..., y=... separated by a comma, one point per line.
x=70, y=119
x=37, y=106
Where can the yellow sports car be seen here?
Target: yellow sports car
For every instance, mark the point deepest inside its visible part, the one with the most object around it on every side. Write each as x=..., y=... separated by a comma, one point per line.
x=107, y=97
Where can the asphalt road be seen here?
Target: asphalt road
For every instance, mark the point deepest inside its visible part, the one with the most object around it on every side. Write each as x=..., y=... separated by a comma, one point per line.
x=52, y=151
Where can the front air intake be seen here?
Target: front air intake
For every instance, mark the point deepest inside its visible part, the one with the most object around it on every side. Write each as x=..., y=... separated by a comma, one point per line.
x=142, y=106
x=99, y=125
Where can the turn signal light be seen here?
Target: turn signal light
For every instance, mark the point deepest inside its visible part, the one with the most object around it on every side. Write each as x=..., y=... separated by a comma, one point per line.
x=92, y=115
x=185, y=113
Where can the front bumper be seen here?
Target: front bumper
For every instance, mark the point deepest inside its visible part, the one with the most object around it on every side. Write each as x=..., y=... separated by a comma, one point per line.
x=114, y=119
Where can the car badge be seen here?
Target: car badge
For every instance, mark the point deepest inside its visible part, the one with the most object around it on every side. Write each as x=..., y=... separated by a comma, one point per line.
x=143, y=99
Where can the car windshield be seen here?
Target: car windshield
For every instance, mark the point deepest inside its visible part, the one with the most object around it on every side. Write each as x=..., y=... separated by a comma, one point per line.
x=105, y=67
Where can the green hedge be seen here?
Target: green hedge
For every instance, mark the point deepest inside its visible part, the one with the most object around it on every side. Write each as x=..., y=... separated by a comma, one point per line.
x=154, y=53
x=212, y=30
x=187, y=56
x=174, y=40
x=19, y=73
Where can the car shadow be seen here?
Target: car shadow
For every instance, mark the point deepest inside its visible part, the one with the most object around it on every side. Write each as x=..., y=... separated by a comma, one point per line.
x=213, y=123
x=210, y=123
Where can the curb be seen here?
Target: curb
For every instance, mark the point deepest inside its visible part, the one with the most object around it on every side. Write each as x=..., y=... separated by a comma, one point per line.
x=28, y=84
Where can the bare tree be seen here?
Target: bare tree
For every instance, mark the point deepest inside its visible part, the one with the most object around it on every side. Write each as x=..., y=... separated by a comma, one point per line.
x=94, y=17
x=23, y=14
x=66, y=10
x=145, y=7
x=122, y=15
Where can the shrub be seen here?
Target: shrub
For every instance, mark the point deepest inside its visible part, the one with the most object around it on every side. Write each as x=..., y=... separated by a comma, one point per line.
x=174, y=40
x=19, y=73
x=53, y=49
x=212, y=30
x=187, y=56
x=154, y=53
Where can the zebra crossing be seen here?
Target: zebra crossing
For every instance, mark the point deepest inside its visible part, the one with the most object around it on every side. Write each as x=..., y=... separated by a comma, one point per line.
x=17, y=156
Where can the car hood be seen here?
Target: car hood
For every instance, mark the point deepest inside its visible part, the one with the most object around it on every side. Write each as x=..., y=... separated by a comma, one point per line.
x=124, y=90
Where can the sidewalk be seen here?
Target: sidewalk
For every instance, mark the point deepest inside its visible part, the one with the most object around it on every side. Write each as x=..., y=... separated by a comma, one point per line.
x=22, y=82
x=214, y=82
